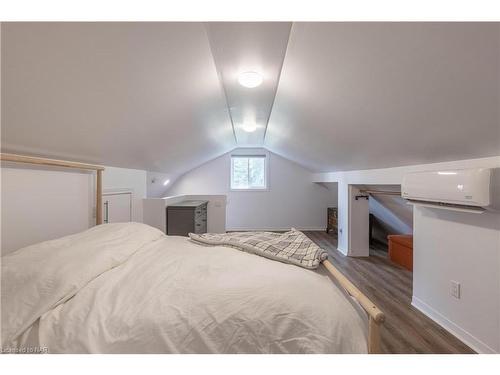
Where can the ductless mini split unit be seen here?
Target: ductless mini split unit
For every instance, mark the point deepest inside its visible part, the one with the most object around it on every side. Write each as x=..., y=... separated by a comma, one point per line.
x=468, y=190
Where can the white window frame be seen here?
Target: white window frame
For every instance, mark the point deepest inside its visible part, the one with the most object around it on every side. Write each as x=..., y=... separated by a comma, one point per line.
x=250, y=154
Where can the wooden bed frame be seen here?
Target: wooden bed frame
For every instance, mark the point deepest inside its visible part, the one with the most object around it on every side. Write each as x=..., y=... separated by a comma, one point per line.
x=65, y=164
x=375, y=316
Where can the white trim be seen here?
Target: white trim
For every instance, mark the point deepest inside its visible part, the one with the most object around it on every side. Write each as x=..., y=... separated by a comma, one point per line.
x=113, y=191
x=342, y=251
x=274, y=229
x=251, y=152
x=249, y=190
x=451, y=327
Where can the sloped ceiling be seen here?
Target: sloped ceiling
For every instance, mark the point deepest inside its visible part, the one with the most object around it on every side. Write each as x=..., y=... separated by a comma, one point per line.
x=134, y=95
x=163, y=96
x=372, y=95
x=249, y=46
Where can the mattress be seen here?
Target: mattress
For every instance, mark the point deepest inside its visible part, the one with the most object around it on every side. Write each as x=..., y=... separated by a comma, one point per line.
x=127, y=288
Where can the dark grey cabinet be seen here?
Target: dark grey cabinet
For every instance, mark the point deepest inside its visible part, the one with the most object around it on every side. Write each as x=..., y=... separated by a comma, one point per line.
x=187, y=217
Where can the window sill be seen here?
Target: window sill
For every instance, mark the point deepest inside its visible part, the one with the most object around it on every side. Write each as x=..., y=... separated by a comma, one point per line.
x=249, y=190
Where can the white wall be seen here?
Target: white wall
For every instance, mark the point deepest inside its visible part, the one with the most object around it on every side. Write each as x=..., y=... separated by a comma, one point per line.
x=293, y=200
x=358, y=220
x=385, y=176
x=394, y=216
x=463, y=247
x=115, y=179
x=447, y=246
x=393, y=211
x=158, y=183
x=40, y=204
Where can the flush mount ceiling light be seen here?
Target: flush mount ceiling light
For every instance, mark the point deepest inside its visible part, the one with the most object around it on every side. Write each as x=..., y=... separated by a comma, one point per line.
x=249, y=127
x=166, y=182
x=250, y=79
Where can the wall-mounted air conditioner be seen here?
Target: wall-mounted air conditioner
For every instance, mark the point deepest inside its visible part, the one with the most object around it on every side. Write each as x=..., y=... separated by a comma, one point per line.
x=471, y=190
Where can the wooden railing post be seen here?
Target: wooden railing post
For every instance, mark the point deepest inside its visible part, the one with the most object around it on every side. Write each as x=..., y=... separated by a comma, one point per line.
x=98, y=202
x=374, y=337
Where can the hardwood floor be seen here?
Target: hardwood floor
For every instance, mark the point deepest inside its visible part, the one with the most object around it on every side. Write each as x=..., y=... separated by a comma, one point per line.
x=389, y=286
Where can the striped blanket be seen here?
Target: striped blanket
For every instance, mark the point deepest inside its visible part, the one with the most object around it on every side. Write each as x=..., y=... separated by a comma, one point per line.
x=292, y=247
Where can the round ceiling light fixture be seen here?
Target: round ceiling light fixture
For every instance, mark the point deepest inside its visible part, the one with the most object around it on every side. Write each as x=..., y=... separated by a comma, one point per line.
x=249, y=127
x=250, y=79
x=166, y=182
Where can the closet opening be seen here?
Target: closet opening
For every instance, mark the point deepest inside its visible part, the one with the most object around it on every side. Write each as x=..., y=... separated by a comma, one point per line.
x=387, y=222
x=332, y=214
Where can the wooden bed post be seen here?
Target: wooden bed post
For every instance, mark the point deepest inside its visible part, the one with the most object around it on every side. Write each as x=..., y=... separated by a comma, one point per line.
x=375, y=315
x=374, y=337
x=98, y=199
x=65, y=164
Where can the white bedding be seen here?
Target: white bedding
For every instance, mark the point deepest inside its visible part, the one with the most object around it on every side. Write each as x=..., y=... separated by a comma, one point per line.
x=127, y=288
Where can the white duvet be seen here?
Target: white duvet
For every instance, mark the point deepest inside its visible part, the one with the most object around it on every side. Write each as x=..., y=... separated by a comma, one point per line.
x=128, y=288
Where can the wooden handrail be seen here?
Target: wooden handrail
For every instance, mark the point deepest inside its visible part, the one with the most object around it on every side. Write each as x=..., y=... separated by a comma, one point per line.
x=51, y=162
x=65, y=164
x=371, y=309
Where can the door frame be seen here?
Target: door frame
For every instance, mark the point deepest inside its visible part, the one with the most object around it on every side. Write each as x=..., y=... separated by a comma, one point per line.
x=119, y=192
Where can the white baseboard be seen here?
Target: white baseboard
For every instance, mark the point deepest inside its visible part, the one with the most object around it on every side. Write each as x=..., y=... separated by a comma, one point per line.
x=273, y=229
x=342, y=251
x=451, y=327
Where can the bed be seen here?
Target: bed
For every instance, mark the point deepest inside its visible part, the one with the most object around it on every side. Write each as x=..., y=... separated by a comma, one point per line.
x=129, y=288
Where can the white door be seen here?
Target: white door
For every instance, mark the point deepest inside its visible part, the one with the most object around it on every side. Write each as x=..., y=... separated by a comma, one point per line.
x=117, y=208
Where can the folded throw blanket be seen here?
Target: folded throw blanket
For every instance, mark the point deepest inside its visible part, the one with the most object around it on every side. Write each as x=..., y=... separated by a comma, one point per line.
x=292, y=247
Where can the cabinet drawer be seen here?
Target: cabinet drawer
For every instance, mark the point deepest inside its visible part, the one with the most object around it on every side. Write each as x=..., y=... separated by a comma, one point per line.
x=200, y=220
x=185, y=217
x=200, y=228
x=201, y=211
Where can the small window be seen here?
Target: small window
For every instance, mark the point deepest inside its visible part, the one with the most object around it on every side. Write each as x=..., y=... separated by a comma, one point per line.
x=248, y=172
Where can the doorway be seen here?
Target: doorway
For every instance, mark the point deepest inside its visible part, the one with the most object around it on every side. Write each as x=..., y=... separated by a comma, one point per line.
x=379, y=220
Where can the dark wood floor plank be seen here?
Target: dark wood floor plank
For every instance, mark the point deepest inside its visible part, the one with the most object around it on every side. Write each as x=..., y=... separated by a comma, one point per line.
x=389, y=286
